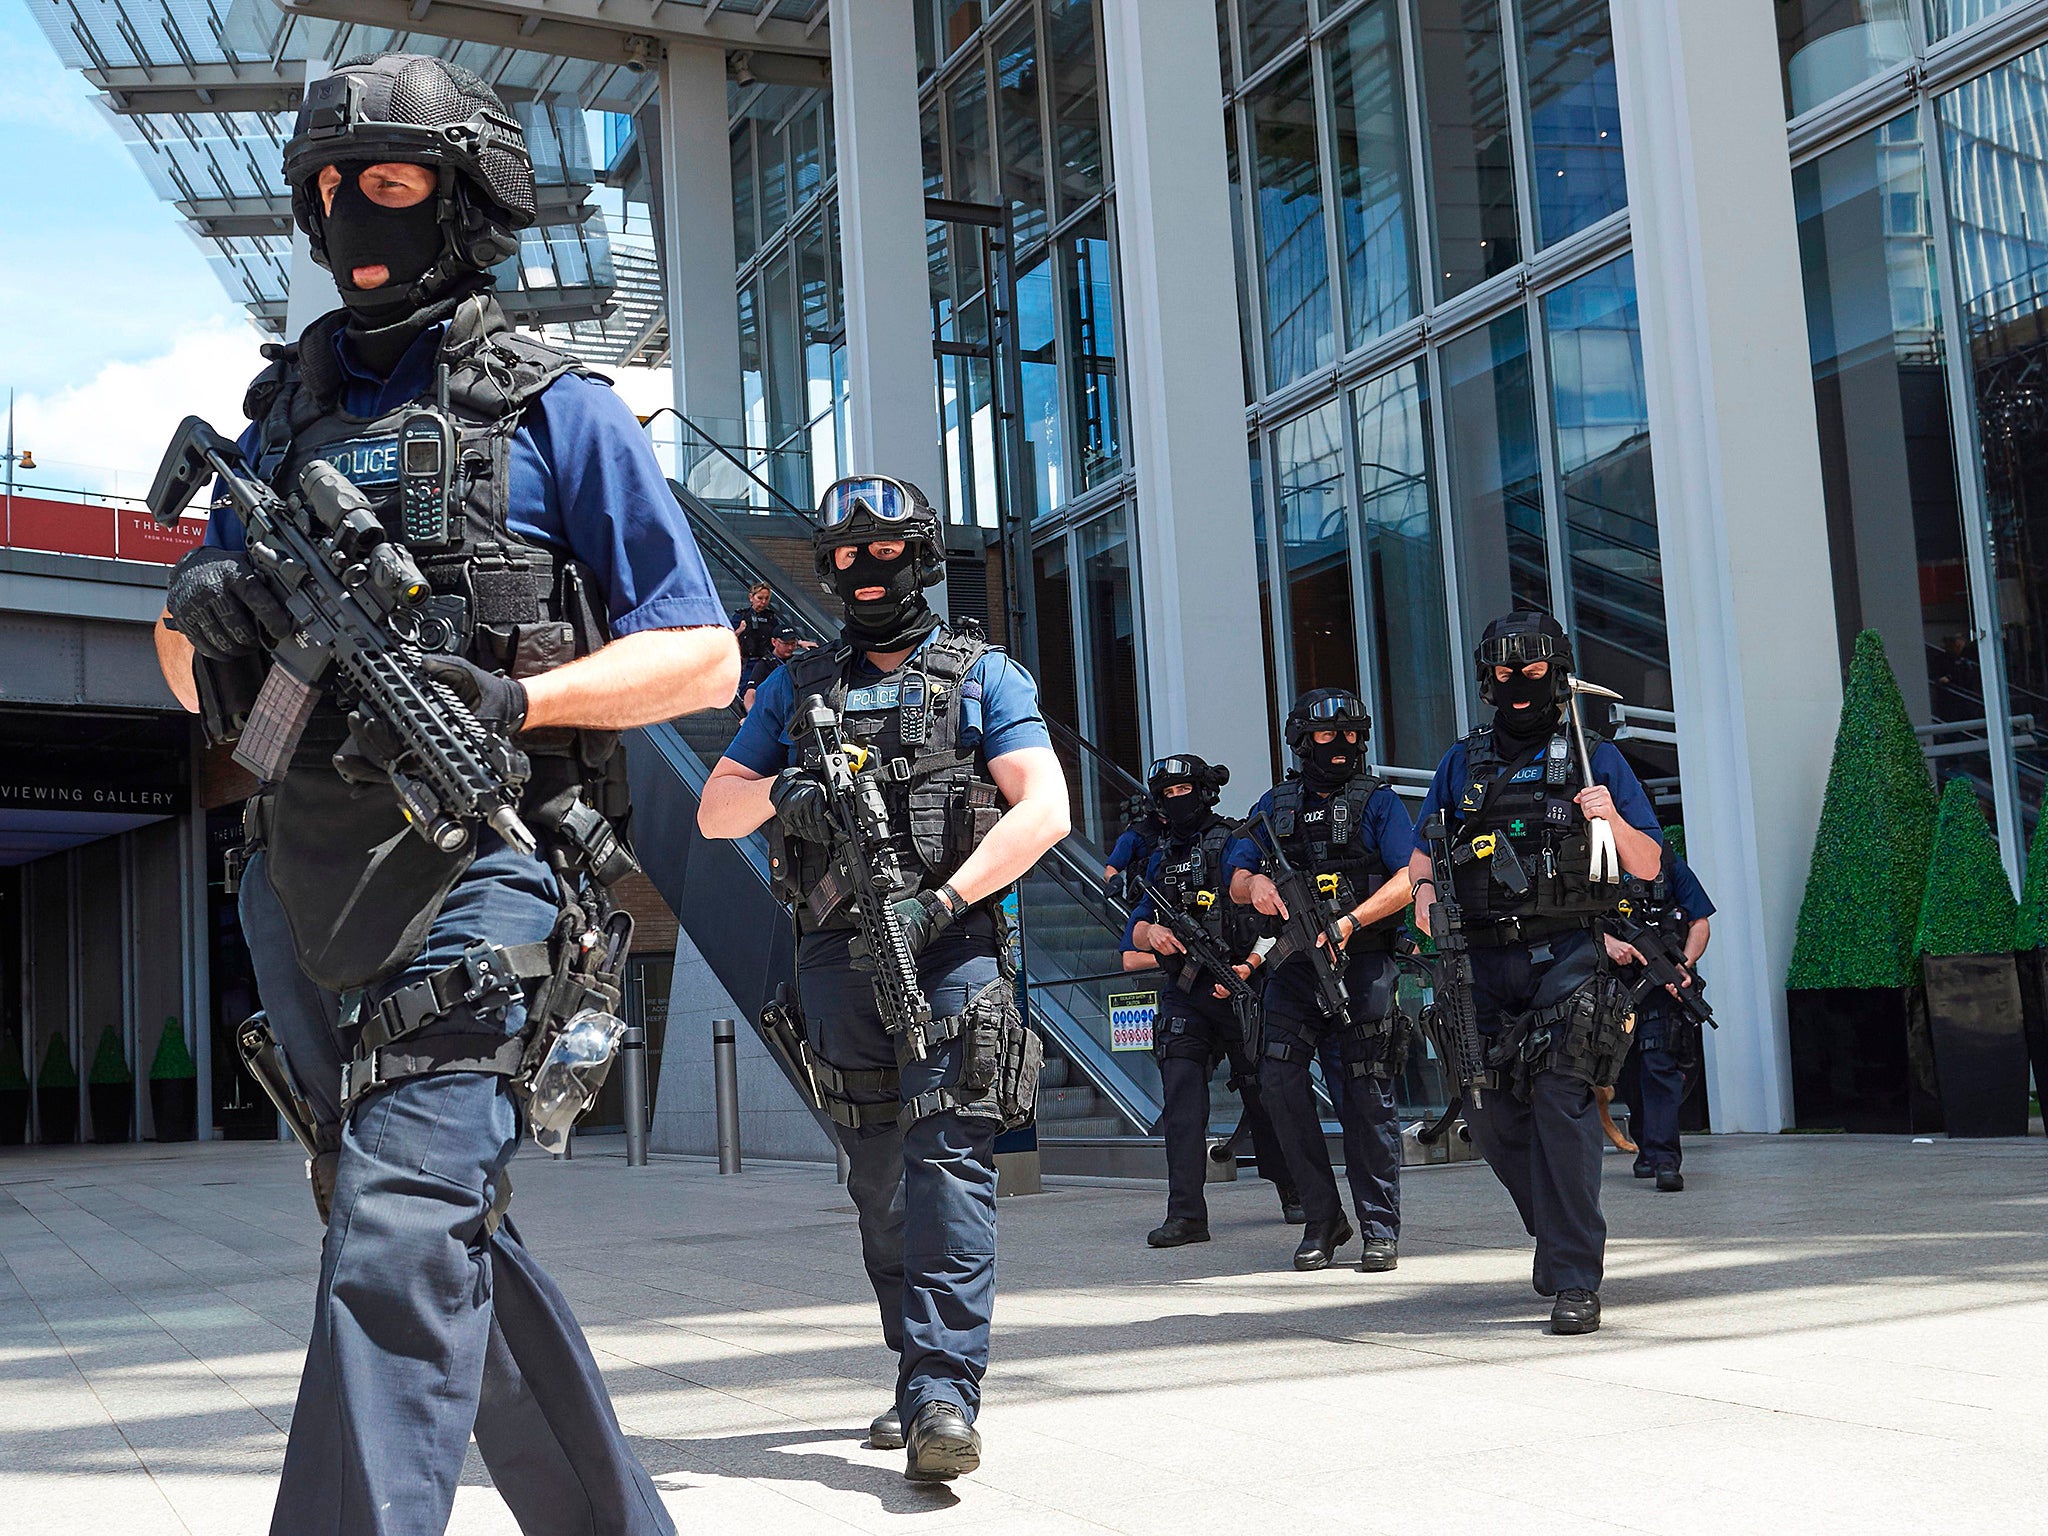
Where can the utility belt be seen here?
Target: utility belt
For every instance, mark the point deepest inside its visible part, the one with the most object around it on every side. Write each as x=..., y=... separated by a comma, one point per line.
x=997, y=1076
x=1377, y=1048
x=1585, y=1036
x=1483, y=932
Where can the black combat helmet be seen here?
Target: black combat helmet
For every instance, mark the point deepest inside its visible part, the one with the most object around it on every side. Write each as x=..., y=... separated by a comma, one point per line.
x=1185, y=768
x=862, y=509
x=1326, y=709
x=416, y=110
x=1518, y=638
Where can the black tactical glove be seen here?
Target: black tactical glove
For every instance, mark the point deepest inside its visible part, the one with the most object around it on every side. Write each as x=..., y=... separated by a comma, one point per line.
x=801, y=805
x=495, y=699
x=221, y=606
x=927, y=915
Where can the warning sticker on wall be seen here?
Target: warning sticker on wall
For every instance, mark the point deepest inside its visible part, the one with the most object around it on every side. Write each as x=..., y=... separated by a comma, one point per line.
x=1130, y=1020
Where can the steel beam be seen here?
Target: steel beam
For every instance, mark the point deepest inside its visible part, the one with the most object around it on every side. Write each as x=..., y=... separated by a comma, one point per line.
x=626, y=32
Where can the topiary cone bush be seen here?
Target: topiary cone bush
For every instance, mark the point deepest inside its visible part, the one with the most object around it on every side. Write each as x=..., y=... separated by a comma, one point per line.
x=1860, y=1055
x=173, y=1086
x=1967, y=917
x=2030, y=941
x=57, y=1095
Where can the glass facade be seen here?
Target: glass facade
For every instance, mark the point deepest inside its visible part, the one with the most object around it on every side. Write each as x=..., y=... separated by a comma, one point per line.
x=1923, y=247
x=1450, y=432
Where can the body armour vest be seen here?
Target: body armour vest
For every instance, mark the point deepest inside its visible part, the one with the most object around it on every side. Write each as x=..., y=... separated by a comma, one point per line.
x=1520, y=848
x=922, y=722
x=1330, y=837
x=1191, y=877
x=508, y=603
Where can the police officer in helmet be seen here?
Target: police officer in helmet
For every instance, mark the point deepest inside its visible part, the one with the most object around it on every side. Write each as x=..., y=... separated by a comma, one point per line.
x=1667, y=1039
x=1518, y=812
x=1194, y=1029
x=568, y=601
x=1350, y=834
x=975, y=797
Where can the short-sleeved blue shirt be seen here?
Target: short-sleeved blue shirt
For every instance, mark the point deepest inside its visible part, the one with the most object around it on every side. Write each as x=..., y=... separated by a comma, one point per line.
x=583, y=480
x=1386, y=821
x=1005, y=712
x=1131, y=847
x=1687, y=892
x=1609, y=768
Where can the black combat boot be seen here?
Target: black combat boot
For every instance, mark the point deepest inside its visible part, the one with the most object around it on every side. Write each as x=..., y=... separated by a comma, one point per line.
x=1670, y=1181
x=1291, y=1211
x=942, y=1444
x=1320, y=1241
x=1576, y=1311
x=886, y=1433
x=1176, y=1230
x=1381, y=1254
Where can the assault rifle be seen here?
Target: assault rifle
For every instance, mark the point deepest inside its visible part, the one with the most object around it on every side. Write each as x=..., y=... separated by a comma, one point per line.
x=1308, y=919
x=869, y=869
x=357, y=604
x=1453, y=1008
x=1664, y=962
x=1203, y=954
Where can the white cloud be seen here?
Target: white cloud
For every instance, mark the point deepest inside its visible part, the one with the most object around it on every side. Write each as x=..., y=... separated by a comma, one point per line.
x=107, y=435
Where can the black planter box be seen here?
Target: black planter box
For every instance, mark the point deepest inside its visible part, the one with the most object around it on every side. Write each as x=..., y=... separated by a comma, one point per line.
x=1862, y=1060
x=2033, y=974
x=174, y=1102
x=13, y=1116
x=57, y=1111
x=113, y=1107
x=1980, y=1044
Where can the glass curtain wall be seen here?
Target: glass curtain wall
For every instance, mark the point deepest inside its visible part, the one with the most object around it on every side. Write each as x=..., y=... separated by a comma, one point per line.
x=1449, y=423
x=1924, y=248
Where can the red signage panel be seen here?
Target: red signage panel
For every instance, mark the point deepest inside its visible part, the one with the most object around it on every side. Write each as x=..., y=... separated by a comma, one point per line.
x=62, y=527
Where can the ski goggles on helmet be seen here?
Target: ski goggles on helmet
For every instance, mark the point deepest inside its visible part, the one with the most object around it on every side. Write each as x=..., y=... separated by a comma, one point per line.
x=1175, y=770
x=1337, y=711
x=876, y=497
x=1519, y=648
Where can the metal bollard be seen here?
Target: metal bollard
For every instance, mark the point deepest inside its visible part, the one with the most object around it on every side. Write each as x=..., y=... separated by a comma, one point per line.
x=725, y=1074
x=633, y=1062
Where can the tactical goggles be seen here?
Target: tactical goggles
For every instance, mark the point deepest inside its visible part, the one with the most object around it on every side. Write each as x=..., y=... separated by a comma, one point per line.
x=1174, y=770
x=1519, y=649
x=1325, y=714
x=569, y=1077
x=884, y=500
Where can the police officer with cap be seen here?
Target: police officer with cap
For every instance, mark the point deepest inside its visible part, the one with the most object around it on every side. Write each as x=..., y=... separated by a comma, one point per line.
x=1517, y=811
x=1667, y=1044
x=975, y=796
x=1193, y=1029
x=1348, y=831
x=568, y=601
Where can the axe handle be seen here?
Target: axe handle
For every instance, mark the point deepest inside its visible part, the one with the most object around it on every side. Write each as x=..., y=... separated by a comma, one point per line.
x=1604, y=1097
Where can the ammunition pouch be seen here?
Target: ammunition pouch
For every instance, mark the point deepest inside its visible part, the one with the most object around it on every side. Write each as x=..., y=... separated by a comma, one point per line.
x=1377, y=1049
x=227, y=692
x=1000, y=1058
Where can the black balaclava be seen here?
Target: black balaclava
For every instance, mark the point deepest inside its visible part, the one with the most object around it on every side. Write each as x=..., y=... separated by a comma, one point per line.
x=897, y=620
x=1183, y=813
x=382, y=321
x=1329, y=765
x=1520, y=729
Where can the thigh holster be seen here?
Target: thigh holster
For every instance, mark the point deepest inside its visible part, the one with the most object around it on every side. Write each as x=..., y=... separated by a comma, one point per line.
x=837, y=1087
x=1584, y=1035
x=1377, y=1049
x=1000, y=1058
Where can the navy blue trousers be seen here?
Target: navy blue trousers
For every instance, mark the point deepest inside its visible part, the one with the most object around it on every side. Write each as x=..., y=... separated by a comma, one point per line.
x=1365, y=1105
x=1190, y=1036
x=1667, y=1063
x=425, y=1329
x=926, y=1195
x=1545, y=1151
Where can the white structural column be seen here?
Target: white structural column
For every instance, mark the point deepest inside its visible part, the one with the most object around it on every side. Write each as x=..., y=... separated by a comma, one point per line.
x=892, y=417
x=312, y=292
x=1755, y=668
x=694, y=161
x=1196, y=549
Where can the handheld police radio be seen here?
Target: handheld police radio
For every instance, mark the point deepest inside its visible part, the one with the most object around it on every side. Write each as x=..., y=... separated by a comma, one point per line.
x=426, y=473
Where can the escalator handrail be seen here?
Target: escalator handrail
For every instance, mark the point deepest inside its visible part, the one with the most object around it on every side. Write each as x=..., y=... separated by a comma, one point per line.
x=728, y=455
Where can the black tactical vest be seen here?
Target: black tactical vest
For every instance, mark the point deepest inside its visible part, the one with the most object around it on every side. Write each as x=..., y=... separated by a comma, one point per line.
x=1191, y=877
x=1520, y=847
x=506, y=602
x=1330, y=837
x=923, y=724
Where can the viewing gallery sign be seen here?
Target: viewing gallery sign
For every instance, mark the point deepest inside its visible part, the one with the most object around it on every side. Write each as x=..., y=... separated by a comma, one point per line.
x=128, y=799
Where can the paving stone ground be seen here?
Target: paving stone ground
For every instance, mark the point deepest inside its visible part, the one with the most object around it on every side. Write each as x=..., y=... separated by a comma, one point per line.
x=1822, y=1334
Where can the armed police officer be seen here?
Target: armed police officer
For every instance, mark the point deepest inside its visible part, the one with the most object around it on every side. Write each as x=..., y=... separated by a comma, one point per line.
x=1193, y=1028
x=935, y=733
x=1144, y=825
x=568, y=602
x=1521, y=823
x=1676, y=908
x=1325, y=855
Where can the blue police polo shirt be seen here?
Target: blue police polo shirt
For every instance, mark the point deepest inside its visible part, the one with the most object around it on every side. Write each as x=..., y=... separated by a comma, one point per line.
x=1687, y=893
x=998, y=699
x=1155, y=865
x=1386, y=821
x=583, y=480
x=1609, y=768
x=1131, y=847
